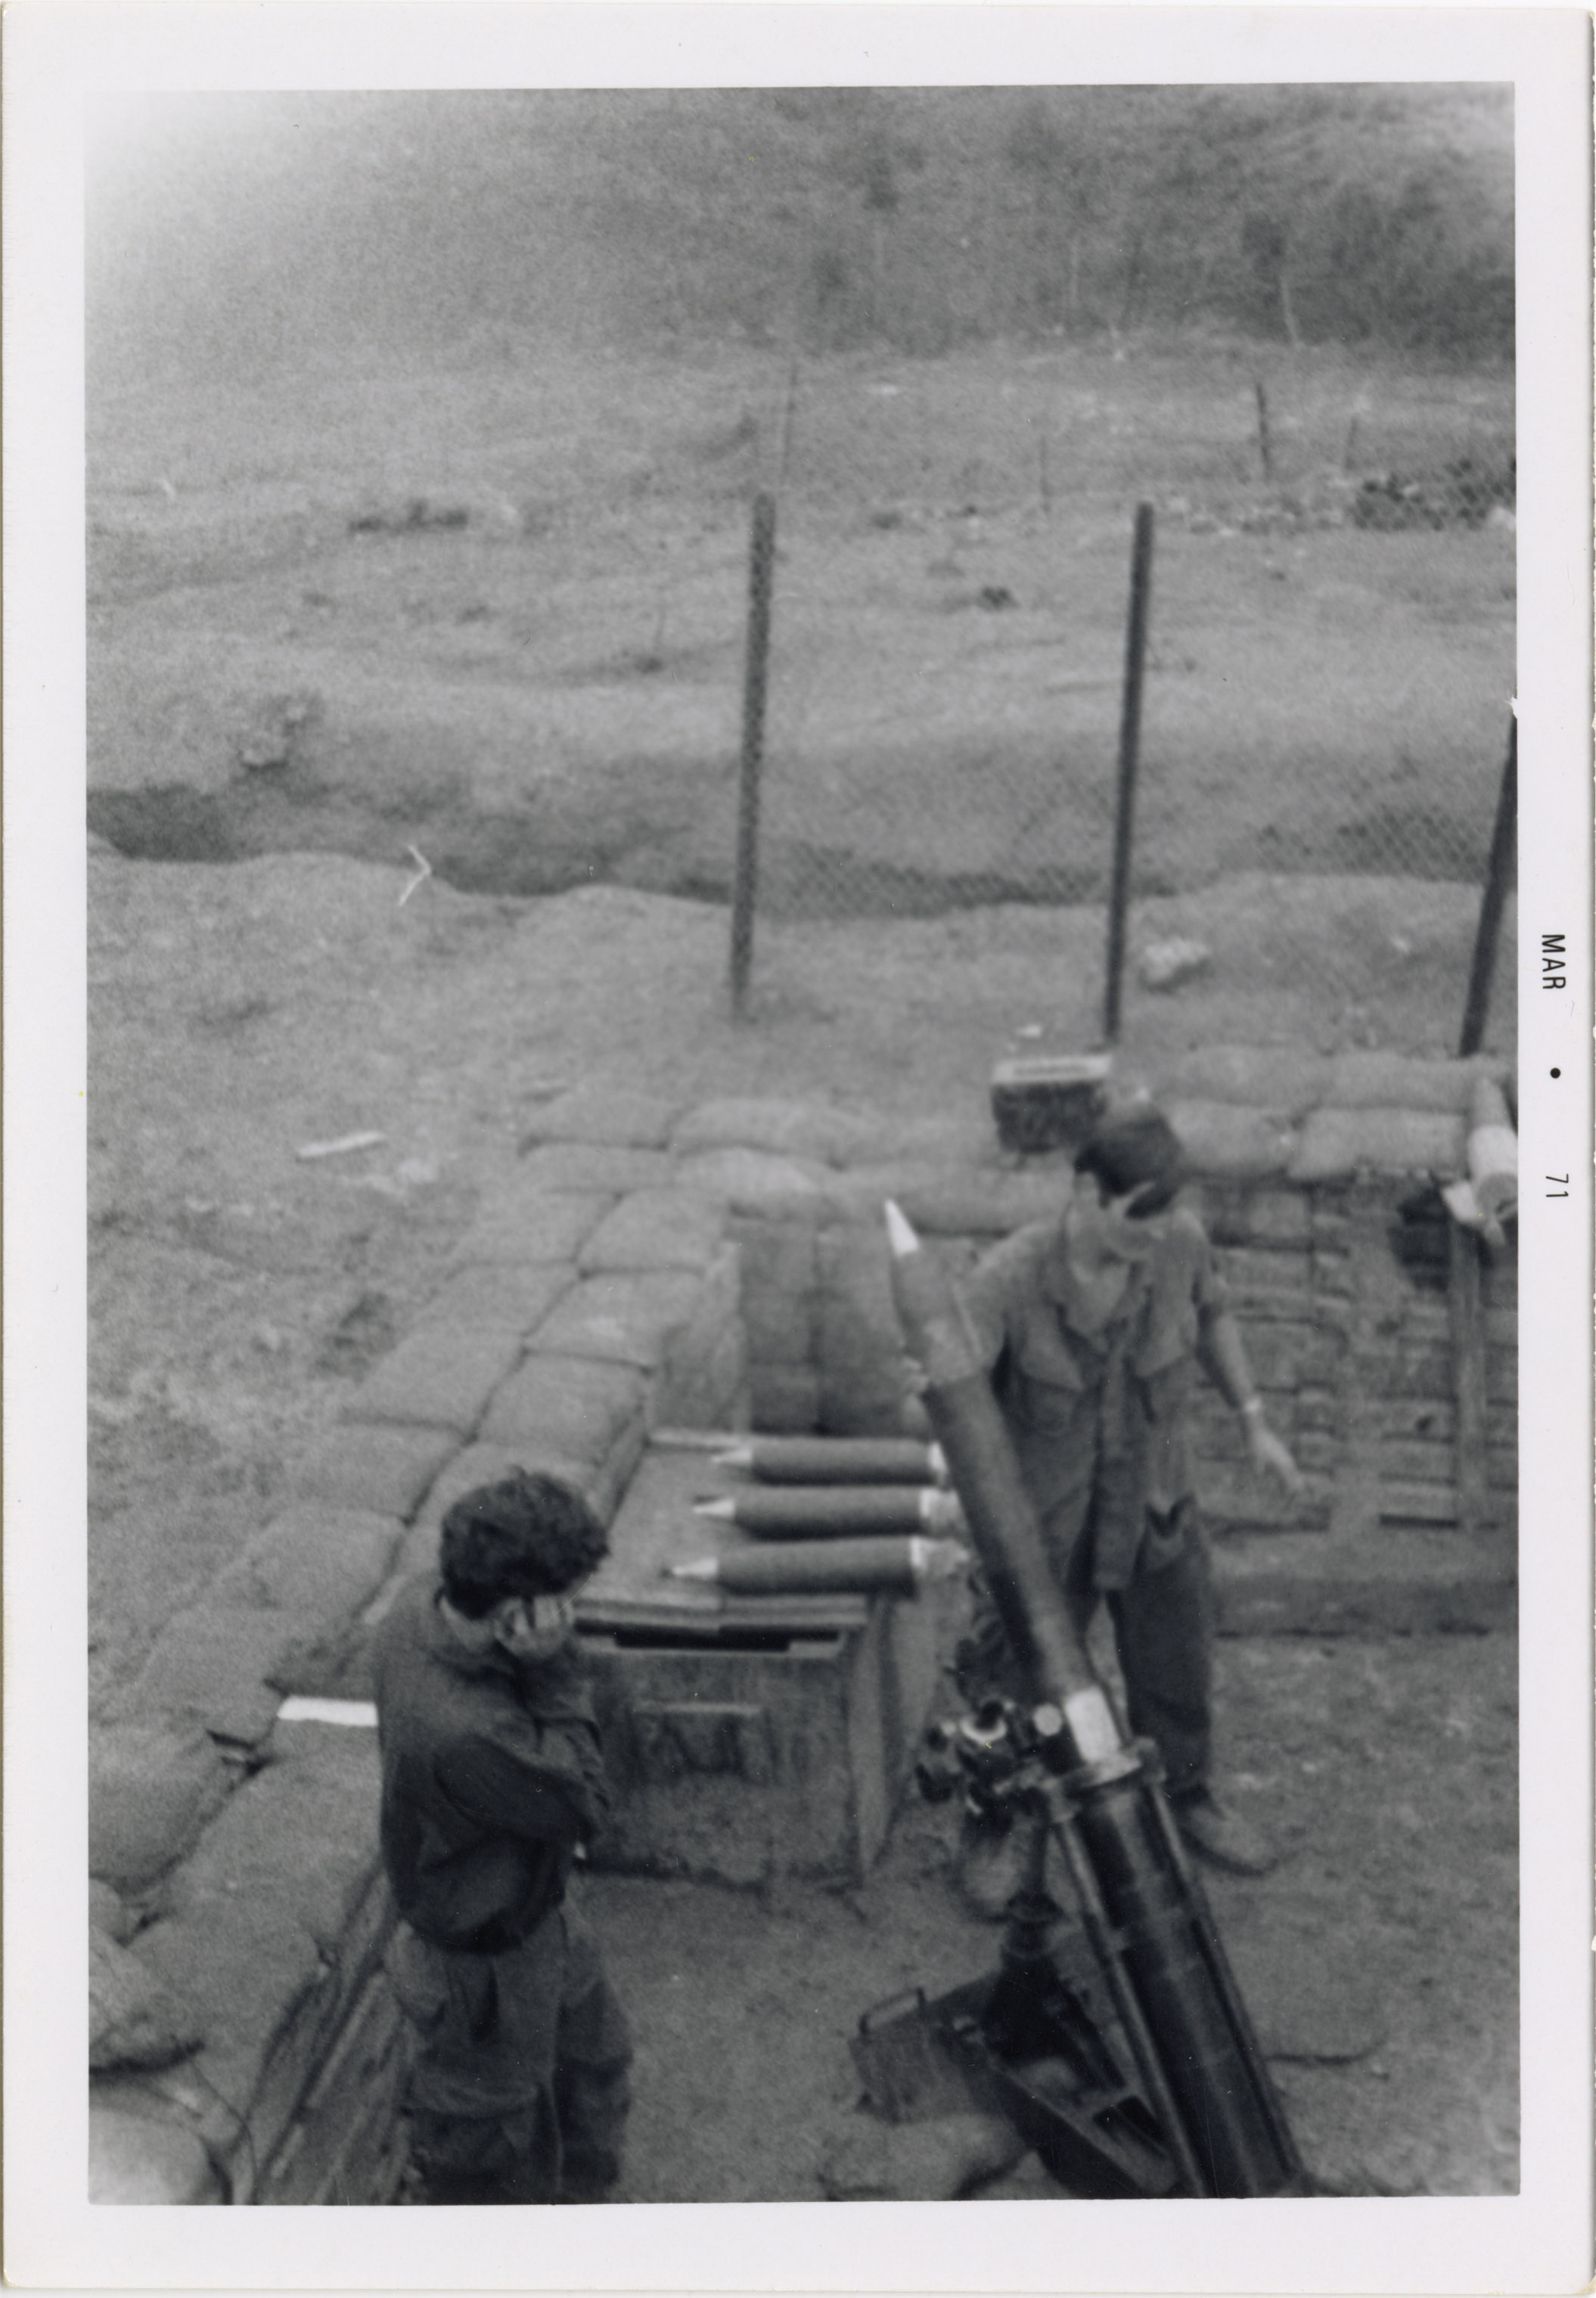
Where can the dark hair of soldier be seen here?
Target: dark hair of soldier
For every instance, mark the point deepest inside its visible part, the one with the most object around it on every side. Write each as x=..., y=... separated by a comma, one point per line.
x=1136, y=1149
x=526, y=1535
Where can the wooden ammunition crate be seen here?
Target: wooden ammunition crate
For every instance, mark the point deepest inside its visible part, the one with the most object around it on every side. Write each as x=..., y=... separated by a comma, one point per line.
x=745, y=1737
x=1049, y=1101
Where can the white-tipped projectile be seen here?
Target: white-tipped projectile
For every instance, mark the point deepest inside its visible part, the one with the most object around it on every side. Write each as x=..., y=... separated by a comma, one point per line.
x=895, y=1565
x=837, y=1460
x=831, y=1511
x=900, y=1233
x=998, y=1511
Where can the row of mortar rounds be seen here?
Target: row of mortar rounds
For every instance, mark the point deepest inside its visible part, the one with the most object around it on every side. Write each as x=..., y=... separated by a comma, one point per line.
x=242, y=2045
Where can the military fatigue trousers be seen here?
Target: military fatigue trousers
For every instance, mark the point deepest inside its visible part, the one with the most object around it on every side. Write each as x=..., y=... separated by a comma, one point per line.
x=518, y=2090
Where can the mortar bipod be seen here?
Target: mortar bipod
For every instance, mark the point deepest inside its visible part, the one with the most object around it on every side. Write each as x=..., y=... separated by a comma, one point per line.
x=1027, y=2042
x=1040, y=2032
x=1153, y=1946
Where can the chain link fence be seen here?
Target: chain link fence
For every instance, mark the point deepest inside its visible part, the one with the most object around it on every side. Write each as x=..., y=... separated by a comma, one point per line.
x=1328, y=677
x=520, y=645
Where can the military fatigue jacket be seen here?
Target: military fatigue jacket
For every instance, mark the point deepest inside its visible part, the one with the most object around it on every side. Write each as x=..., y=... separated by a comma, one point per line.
x=1098, y=1419
x=491, y=1774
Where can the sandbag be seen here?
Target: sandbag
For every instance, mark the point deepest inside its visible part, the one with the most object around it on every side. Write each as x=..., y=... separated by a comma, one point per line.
x=133, y=2019
x=1235, y=1142
x=1335, y=1144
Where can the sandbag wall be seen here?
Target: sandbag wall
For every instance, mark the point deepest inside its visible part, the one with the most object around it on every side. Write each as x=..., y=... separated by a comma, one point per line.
x=649, y=1264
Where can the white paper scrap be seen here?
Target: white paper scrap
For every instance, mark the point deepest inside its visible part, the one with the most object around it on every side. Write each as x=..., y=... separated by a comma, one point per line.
x=361, y=1713
x=342, y=1146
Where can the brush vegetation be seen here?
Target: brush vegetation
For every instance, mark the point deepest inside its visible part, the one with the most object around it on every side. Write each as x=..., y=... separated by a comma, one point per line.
x=239, y=232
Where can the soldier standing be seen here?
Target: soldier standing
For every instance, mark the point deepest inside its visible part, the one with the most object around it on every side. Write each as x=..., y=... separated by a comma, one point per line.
x=1093, y=1325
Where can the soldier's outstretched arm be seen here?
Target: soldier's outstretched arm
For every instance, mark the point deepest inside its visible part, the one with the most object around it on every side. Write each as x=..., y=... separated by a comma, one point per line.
x=1223, y=1356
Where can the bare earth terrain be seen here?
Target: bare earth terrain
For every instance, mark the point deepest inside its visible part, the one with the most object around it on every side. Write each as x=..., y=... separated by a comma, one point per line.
x=243, y=1010
x=285, y=707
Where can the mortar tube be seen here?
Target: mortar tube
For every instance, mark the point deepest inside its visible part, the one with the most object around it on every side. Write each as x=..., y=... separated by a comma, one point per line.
x=1209, y=2057
x=1107, y=1944
x=1224, y=1980
x=1206, y=2080
x=997, y=1508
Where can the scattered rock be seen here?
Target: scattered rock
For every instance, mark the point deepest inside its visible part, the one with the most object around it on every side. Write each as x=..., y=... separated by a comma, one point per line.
x=416, y=516
x=1165, y=964
x=365, y=1329
x=274, y=735
x=917, y=2162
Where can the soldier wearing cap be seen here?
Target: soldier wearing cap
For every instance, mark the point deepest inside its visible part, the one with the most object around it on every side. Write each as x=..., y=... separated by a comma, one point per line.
x=1094, y=1325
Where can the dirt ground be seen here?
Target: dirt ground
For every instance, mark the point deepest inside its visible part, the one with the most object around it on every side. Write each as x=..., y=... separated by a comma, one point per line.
x=288, y=699
x=1386, y=1941
x=500, y=612
x=241, y=1011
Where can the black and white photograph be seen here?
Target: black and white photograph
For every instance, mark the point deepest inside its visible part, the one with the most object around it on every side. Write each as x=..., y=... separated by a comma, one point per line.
x=837, y=833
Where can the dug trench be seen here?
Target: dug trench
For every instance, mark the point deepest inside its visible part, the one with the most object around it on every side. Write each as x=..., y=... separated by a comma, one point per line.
x=659, y=826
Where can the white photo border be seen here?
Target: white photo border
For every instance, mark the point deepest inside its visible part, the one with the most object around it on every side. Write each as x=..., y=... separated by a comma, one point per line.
x=56, y=56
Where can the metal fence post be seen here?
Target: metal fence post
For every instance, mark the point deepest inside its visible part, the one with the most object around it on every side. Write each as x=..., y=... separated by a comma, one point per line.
x=1503, y=838
x=761, y=559
x=1130, y=735
x=1266, y=451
